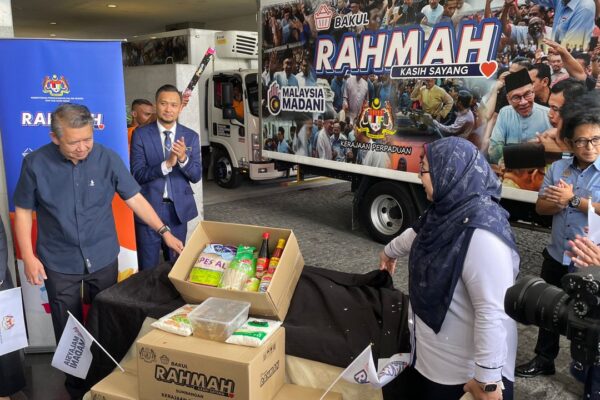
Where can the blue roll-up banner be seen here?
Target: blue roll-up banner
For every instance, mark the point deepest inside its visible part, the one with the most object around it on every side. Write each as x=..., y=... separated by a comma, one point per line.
x=36, y=76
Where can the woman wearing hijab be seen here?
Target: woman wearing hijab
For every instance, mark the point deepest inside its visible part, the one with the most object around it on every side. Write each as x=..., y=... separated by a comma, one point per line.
x=462, y=258
x=12, y=377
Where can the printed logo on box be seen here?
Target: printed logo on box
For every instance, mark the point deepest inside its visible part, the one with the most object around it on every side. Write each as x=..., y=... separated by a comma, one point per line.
x=265, y=376
x=323, y=17
x=55, y=86
x=147, y=355
x=195, y=380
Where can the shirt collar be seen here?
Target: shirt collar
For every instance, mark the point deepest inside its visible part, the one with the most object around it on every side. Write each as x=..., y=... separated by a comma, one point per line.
x=162, y=129
x=596, y=164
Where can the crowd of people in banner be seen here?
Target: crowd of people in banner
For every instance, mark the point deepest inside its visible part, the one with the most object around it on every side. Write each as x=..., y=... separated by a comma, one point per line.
x=551, y=40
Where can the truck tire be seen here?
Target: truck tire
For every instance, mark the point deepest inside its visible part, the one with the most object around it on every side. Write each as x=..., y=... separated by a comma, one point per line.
x=386, y=210
x=226, y=175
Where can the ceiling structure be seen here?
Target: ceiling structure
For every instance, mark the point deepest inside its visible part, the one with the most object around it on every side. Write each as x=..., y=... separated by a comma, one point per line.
x=94, y=19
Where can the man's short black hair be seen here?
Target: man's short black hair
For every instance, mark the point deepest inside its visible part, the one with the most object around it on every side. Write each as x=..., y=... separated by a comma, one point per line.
x=139, y=102
x=571, y=88
x=168, y=88
x=543, y=71
x=582, y=110
x=464, y=98
x=281, y=130
x=579, y=55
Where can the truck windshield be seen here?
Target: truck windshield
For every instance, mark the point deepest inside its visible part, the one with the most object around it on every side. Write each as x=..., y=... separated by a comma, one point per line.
x=252, y=90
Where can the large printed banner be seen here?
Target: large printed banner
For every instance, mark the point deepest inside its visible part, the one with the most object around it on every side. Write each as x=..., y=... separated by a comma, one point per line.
x=36, y=76
x=366, y=83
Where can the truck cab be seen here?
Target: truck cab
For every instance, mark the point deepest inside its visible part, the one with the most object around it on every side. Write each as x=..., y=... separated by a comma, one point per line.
x=232, y=118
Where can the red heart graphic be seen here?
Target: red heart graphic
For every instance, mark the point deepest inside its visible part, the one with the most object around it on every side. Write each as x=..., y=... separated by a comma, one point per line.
x=488, y=68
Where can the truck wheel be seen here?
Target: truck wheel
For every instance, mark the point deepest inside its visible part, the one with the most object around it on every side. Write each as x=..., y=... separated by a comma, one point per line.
x=225, y=174
x=386, y=210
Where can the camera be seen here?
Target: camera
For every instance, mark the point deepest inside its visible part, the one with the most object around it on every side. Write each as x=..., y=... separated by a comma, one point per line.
x=574, y=312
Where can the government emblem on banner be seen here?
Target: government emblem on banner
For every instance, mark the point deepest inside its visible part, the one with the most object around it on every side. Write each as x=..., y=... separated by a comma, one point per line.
x=376, y=121
x=55, y=86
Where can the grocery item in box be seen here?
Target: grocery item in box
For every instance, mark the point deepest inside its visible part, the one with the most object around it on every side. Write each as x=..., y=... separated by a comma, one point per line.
x=212, y=262
x=176, y=322
x=216, y=318
x=242, y=268
x=254, y=332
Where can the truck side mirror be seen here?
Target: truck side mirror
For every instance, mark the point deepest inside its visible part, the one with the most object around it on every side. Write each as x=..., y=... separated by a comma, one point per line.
x=227, y=100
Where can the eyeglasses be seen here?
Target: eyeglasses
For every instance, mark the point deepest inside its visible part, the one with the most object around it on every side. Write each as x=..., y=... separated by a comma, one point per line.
x=527, y=96
x=579, y=143
x=425, y=171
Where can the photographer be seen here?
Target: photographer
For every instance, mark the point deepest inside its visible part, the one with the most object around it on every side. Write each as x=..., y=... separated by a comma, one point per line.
x=568, y=187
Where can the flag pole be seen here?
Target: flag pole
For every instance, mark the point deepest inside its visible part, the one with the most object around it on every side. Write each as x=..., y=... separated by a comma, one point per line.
x=95, y=341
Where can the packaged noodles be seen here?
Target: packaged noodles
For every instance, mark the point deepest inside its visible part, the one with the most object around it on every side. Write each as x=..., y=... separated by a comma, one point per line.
x=254, y=332
x=242, y=268
x=177, y=322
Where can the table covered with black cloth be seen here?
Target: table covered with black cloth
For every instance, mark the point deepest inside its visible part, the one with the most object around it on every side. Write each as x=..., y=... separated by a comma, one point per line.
x=332, y=317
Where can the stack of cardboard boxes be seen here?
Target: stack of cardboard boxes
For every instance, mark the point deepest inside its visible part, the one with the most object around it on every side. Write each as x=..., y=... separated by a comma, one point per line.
x=190, y=368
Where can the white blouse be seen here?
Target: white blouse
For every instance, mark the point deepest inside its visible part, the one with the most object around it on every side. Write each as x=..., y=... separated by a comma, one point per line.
x=477, y=339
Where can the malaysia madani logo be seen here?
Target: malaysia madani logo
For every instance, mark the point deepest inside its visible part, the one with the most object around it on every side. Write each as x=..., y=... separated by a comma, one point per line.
x=306, y=99
x=274, y=98
x=55, y=86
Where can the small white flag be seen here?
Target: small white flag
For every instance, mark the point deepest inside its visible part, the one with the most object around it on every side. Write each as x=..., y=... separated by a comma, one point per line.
x=362, y=370
x=73, y=355
x=12, y=324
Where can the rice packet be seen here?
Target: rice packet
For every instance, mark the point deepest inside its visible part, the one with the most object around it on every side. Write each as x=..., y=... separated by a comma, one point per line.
x=177, y=322
x=212, y=262
x=254, y=332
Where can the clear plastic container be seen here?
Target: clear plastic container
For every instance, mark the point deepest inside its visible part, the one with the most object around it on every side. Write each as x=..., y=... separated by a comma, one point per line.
x=216, y=318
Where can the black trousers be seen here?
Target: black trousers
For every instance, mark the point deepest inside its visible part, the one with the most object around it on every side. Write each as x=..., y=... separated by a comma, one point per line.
x=548, y=342
x=65, y=294
x=421, y=388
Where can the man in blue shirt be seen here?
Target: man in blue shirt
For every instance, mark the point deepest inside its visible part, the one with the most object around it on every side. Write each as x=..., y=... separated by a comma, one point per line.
x=521, y=120
x=71, y=183
x=568, y=187
x=282, y=145
x=573, y=21
x=337, y=87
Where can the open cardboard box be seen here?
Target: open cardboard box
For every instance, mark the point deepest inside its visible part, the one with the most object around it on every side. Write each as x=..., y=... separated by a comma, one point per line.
x=276, y=301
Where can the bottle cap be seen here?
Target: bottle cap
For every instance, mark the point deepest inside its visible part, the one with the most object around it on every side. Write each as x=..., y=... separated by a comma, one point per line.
x=265, y=235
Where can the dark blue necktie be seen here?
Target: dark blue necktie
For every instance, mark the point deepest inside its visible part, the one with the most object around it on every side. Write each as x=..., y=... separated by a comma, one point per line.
x=168, y=146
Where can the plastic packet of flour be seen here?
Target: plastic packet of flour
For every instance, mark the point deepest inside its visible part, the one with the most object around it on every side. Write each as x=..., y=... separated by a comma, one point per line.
x=254, y=332
x=177, y=322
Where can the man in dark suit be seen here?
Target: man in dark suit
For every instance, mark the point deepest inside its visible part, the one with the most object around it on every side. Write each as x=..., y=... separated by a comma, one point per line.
x=165, y=158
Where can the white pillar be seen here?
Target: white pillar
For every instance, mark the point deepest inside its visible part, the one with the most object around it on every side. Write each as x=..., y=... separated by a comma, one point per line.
x=6, y=31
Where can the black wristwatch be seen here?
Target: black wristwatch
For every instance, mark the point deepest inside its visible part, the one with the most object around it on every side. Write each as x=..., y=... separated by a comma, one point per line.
x=575, y=201
x=489, y=387
x=163, y=229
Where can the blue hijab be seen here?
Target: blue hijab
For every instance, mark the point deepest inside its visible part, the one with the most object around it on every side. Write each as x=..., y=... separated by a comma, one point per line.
x=466, y=193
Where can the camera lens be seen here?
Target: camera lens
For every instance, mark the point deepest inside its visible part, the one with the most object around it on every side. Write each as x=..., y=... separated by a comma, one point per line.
x=533, y=301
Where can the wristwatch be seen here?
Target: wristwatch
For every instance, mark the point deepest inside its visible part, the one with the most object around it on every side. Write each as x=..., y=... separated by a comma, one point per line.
x=489, y=387
x=575, y=201
x=163, y=229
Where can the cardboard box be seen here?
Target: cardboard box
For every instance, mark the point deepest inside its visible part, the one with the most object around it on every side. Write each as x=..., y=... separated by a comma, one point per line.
x=190, y=368
x=116, y=386
x=276, y=301
x=295, y=392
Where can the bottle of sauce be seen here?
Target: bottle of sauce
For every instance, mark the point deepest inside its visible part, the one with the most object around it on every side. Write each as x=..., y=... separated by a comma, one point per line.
x=276, y=256
x=265, y=281
x=263, y=256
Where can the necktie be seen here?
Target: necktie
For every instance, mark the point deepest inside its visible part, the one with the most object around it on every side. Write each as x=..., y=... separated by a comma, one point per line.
x=167, y=151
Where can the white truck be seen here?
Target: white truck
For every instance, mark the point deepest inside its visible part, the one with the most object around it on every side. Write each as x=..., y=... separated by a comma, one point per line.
x=230, y=143
x=372, y=70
